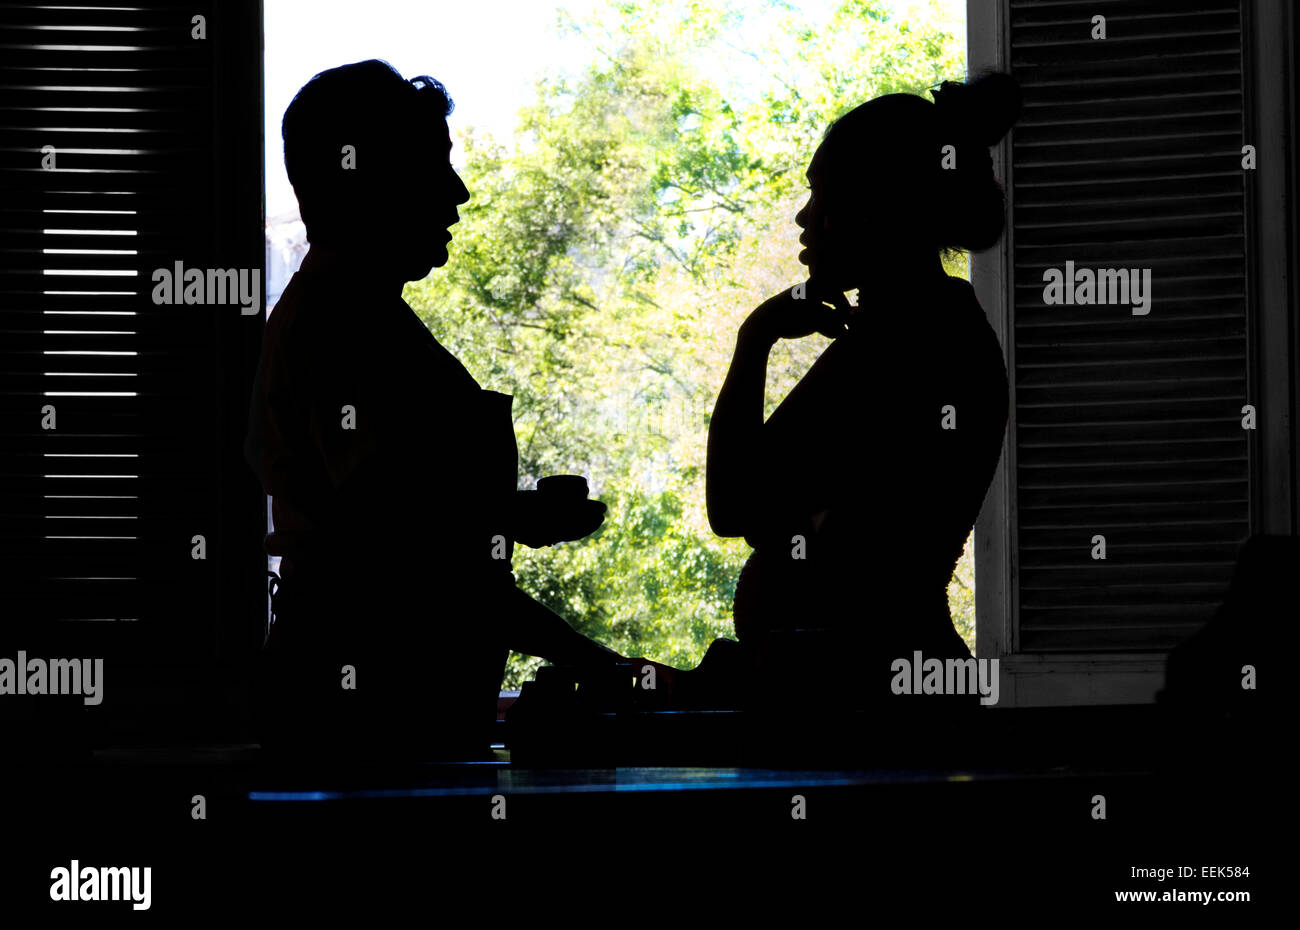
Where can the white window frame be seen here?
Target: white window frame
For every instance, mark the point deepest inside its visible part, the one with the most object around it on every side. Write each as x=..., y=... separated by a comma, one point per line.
x=1027, y=679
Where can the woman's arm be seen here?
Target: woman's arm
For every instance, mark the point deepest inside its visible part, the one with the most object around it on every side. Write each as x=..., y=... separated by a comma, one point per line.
x=734, y=473
x=734, y=433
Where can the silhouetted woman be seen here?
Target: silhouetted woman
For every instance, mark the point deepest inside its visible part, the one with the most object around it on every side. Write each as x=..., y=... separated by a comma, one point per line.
x=860, y=490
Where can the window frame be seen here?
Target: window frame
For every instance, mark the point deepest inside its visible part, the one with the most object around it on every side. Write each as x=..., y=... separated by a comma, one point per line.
x=1036, y=679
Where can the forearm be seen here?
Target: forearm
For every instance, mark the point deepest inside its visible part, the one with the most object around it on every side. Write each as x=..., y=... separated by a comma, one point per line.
x=734, y=432
x=536, y=630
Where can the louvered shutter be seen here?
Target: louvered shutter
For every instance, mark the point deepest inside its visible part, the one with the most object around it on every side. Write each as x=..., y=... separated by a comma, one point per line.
x=1128, y=155
x=156, y=137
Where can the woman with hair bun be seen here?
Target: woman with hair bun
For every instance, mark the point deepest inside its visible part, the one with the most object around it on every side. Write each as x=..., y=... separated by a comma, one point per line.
x=859, y=492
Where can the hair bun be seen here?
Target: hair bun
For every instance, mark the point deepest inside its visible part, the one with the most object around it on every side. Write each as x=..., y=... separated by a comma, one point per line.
x=984, y=108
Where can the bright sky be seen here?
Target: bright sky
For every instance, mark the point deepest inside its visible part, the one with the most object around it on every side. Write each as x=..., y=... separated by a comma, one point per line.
x=487, y=53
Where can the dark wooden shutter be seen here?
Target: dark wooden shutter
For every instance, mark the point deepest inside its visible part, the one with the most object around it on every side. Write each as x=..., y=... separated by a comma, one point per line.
x=158, y=146
x=1129, y=156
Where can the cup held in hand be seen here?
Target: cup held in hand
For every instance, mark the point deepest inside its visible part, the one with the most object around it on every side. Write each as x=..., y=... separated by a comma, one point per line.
x=571, y=486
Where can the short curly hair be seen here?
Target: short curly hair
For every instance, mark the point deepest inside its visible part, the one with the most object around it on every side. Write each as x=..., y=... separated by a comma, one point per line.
x=369, y=106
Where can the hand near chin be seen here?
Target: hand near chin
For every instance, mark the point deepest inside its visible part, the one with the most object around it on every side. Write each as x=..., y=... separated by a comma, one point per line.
x=811, y=307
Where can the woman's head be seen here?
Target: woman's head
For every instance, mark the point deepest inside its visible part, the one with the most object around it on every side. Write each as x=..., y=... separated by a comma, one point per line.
x=900, y=176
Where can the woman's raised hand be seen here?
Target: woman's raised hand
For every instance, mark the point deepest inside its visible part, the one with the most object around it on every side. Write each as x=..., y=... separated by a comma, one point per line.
x=798, y=312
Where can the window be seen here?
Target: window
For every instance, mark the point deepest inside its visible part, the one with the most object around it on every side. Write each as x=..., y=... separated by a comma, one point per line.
x=1127, y=423
x=133, y=144
x=633, y=183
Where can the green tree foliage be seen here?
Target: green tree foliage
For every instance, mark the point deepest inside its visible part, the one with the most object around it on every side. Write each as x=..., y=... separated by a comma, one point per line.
x=612, y=248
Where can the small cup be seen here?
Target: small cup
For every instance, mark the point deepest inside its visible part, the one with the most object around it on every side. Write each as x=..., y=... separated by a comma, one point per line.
x=574, y=486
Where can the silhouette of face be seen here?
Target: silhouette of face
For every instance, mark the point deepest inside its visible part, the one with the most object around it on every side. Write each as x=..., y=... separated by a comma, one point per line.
x=869, y=207
x=837, y=232
x=814, y=223
x=423, y=202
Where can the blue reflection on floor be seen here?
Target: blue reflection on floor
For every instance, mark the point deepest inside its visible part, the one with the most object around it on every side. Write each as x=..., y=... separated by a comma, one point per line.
x=493, y=780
